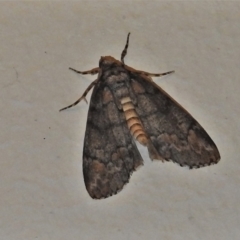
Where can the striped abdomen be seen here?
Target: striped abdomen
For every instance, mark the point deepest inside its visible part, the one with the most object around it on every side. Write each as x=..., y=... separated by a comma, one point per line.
x=133, y=122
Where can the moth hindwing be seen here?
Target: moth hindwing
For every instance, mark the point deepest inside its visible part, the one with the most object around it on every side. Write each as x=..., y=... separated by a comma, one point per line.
x=126, y=105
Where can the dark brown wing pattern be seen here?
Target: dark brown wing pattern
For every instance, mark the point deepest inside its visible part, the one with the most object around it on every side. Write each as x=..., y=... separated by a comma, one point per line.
x=176, y=135
x=110, y=154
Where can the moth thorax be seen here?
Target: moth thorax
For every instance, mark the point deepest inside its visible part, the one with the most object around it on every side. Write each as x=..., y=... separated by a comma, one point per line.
x=133, y=122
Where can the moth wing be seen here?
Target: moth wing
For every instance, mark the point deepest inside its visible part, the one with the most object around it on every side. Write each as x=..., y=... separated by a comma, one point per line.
x=176, y=135
x=110, y=154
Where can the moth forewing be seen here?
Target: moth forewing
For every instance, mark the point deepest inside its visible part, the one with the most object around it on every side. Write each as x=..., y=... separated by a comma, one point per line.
x=126, y=105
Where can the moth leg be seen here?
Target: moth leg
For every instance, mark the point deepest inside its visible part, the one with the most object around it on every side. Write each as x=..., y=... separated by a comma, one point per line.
x=82, y=97
x=154, y=74
x=92, y=71
x=124, y=52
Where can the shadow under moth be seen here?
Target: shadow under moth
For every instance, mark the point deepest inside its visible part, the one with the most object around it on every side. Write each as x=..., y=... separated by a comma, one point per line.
x=125, y=105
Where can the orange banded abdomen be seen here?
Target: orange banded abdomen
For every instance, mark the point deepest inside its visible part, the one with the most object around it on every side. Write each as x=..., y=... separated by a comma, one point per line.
x=133, y=122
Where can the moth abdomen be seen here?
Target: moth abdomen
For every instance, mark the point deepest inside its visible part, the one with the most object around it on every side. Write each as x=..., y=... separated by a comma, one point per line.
x=136, y=129
x=133, y=122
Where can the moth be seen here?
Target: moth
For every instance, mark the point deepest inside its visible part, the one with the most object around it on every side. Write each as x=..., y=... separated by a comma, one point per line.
x=126, y=105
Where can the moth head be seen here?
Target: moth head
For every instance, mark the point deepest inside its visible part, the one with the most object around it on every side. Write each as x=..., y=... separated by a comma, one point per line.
x=108, y=62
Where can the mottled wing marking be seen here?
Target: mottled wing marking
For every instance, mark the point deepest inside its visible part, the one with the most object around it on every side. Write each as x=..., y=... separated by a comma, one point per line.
x=175, y=134
x=110, y=154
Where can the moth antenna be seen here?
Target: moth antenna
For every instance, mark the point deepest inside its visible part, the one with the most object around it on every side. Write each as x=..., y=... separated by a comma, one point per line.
x=124, y=52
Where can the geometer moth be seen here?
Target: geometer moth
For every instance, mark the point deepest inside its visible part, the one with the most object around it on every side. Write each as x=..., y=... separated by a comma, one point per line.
x=125, y=105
